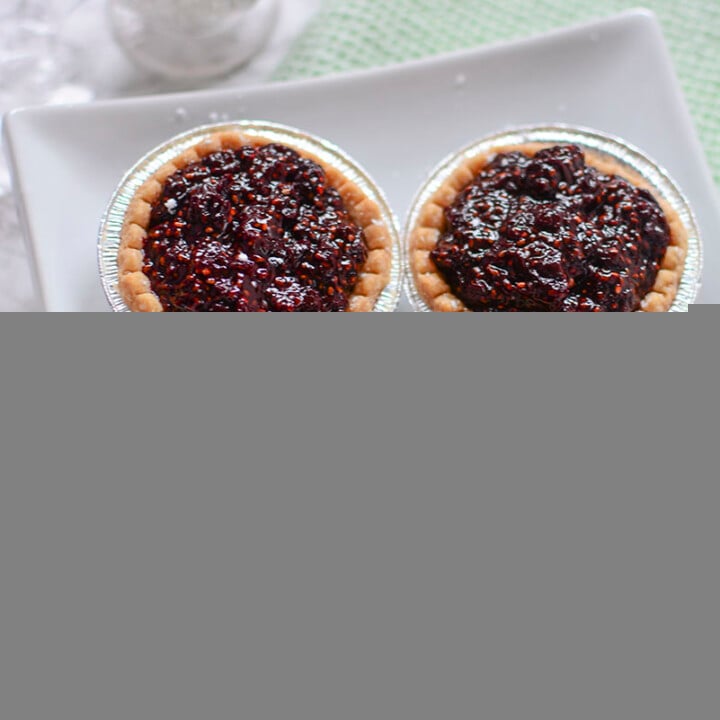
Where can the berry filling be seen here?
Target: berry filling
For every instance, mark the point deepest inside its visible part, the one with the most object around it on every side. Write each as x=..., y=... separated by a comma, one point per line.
x=257, y=229
x=550, y=233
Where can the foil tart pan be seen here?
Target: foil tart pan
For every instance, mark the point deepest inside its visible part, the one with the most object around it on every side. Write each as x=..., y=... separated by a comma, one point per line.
x=112, y=222
x=600, y=143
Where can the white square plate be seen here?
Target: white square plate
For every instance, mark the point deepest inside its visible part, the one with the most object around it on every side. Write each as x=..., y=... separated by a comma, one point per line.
x=614, y=75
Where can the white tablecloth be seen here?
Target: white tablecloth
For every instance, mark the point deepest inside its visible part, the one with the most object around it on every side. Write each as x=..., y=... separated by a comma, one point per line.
x=109, y=74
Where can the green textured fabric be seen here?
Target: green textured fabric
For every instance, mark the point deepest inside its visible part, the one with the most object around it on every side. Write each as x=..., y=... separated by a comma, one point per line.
x=351, y=34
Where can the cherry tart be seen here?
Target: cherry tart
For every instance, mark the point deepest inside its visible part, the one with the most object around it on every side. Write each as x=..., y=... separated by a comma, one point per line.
x=550, y=229
x=243, y=224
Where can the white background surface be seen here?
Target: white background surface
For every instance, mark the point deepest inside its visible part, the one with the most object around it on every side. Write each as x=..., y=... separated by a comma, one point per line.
x=108, y=74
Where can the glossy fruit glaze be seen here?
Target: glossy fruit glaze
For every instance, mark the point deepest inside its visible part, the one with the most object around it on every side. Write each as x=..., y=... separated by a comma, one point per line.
x=257, y=229
x=551, y=233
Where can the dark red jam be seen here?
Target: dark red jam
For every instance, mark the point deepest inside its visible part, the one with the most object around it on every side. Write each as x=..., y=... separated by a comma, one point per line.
x=549, y=233
x=252, y=230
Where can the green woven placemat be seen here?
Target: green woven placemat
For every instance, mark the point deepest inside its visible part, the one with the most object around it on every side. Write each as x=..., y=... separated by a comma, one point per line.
x=351, y=34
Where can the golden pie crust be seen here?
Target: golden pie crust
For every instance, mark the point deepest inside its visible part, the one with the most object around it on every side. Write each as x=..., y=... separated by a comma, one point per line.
x=431, y=224
x=134, y=285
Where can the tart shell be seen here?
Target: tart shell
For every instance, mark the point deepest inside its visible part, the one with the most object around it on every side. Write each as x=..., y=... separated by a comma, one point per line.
x=134, y=286
x=431, y=223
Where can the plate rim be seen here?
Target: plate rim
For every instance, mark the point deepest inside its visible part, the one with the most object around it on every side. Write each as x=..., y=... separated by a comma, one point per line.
x=640, y=14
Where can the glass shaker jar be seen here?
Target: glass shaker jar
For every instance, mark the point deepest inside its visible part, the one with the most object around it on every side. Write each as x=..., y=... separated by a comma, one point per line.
x=191, y=39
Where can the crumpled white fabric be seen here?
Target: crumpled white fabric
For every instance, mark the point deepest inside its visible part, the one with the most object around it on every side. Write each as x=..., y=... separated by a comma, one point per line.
x=111, y=75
